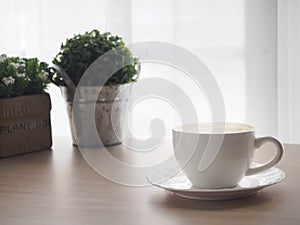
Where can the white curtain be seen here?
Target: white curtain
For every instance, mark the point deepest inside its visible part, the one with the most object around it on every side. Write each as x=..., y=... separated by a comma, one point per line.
x=289, y=70
x=251, y=47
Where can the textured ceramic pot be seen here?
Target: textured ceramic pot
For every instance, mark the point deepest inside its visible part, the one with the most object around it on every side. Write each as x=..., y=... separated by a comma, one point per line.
x=109, y=113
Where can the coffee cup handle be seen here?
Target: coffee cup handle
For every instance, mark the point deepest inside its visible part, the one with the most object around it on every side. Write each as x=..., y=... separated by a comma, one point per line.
x=279, y=152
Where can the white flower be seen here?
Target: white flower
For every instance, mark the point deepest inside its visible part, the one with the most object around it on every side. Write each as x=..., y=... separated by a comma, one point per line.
x=2, y=58
x=20, y=75
x=15, y=65
x=44, y=75
x=8, y=80
x=22, y=64
x=18, y=65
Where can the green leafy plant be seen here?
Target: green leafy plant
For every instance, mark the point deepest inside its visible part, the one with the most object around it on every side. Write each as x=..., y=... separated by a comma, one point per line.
x=79, y=52
x=22, y=76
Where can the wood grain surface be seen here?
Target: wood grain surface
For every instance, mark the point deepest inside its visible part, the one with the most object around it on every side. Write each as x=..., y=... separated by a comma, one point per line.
x=58, y=187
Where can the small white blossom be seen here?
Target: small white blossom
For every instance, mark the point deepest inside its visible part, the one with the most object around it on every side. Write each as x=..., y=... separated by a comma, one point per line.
x=8, y=80
x=15, y=65
x=44, y=75
x=2, y=58
x=20, y=75
x=22, y=65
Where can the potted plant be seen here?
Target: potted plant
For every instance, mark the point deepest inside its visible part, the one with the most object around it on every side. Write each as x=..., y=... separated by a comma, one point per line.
x=24, y=106
x=74, y=58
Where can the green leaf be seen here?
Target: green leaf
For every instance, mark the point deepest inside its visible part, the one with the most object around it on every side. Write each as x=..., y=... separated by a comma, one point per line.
x=29, y=76
x=80, y=51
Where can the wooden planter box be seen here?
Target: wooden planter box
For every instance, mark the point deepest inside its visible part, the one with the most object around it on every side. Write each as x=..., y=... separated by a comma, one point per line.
x=25, y=124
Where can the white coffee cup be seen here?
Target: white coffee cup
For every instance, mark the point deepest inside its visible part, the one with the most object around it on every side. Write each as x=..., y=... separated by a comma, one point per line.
x=219, y=155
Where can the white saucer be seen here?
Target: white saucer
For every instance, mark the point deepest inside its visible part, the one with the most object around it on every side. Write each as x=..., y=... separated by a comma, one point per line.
x=168, y=179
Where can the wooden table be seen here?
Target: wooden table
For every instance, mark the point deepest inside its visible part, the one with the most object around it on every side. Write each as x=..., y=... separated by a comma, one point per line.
x=58, y=187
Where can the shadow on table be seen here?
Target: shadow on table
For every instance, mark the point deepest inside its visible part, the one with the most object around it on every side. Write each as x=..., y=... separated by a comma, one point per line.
x=174, y=201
